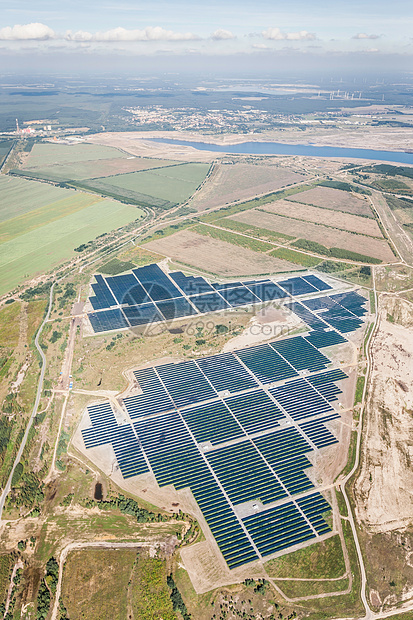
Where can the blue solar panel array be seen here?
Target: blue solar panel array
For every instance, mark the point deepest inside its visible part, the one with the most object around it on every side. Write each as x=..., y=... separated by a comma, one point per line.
x=325, y=383
x=308, y=317
x=278, y=528
x=301, y=354
x=148, y=295
x=156, y=283
x=324, y=339
x=245, y=475
x=102, y=298
x=343, y=311
x=191, y=285
x=317, y=432
x=255, y=411
x=155, y=399
x=212, y=422
x=107, y=320
x=105, y=430
x=215, y=425
x=226, y=373
x=300, y=400
x=175, y=460
x=266, y=364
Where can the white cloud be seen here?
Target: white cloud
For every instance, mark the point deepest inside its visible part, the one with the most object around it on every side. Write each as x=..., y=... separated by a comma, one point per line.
x=151, y=33
x=363, y=35
x=260, y=46
x=27, y=32
x=222, y=35
x=275, y=34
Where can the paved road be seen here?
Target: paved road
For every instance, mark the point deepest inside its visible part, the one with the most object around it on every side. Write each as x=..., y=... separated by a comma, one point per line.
x=35, y=407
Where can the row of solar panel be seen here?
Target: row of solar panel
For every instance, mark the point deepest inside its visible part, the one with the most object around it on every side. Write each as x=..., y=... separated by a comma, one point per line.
x=148, y=295
x=187, y=383
x=175, y=460
x=276, y=448
x=288, y=525
x=343, y=311
x=150, y=283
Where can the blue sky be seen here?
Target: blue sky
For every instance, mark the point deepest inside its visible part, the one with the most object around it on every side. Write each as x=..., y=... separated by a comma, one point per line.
x=219, y=28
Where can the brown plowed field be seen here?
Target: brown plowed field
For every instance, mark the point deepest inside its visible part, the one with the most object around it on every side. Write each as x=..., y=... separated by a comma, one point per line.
x=336, y=199
x=329, y=237
x=215, y=256
x=336, y=219
x=232, y=182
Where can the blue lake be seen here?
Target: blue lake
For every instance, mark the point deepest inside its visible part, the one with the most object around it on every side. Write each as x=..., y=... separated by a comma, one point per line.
x=277, y=148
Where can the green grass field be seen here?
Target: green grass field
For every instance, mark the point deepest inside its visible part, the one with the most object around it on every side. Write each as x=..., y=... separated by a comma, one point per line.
x=95, y=168
x=5, y=566
x=59, y=221
x=321, y=561
x=47, y=154
x=22, y=224
x=19, y=196
x=4, y=149
x=296, y=257
x=162, y=187
x=37, y=251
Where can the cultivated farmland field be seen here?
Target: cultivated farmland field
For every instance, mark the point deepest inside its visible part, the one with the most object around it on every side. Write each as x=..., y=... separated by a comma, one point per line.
x=336, y=199
x=233, y=182
x=95, y=168
x=19, y=196
x=216, y=256
x=175, y=183
x=163, y=187
x=48, y=224
x=329, y=217
x=49, y=154
x=4, y=149
x=329, y=237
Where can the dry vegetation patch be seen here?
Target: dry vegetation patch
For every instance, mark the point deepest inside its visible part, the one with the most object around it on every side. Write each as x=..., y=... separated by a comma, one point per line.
x=216, y=256
x=336, y=199
x=95, y=583
x=239, y=181
x=329, y=217
x=394, y=278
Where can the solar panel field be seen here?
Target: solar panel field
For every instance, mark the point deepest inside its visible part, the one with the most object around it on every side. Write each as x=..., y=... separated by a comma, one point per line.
x=237, y=429
x=148, y=295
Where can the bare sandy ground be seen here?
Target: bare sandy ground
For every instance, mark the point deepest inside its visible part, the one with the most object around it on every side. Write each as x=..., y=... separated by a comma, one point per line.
x=138, y=144
x=385, y=138
x=268, y=324
x=384, y=488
